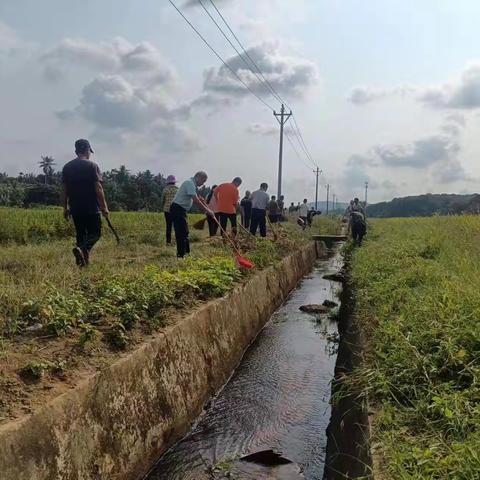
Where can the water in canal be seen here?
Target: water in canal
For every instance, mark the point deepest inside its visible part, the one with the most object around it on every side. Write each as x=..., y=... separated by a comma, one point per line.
x=278, y=398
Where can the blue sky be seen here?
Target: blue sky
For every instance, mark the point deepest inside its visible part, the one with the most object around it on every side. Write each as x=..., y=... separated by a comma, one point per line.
x=385, y=91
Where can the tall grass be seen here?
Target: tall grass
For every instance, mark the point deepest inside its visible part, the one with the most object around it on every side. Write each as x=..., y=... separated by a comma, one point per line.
x=25, y=226
x=418, y=300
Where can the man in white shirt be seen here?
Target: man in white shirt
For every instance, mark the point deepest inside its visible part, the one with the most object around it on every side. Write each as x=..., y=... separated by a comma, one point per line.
x=303, y=212
x=260, y=201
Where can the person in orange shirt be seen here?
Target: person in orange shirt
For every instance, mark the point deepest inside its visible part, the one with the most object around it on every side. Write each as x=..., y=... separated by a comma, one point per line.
x=228, y=196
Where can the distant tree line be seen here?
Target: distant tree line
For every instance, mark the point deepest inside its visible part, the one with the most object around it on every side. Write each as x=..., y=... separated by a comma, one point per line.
x=124, y=190
x=426, y=205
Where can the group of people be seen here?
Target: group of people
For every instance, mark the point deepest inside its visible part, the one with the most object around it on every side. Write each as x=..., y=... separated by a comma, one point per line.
x=84, y=202
x=357, y=224
x=221, y=206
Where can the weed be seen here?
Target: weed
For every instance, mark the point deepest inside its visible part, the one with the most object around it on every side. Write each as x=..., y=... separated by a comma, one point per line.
x=417, y=297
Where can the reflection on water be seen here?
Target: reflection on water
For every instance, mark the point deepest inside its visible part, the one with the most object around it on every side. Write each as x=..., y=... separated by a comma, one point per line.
x=278, y=398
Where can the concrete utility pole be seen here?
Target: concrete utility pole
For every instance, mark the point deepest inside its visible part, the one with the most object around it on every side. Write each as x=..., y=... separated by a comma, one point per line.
x=317, y=173
x=366, y=190
x=283, y=119
x=328, y=195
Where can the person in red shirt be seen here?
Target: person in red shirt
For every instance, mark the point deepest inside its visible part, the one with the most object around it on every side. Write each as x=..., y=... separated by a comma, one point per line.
x=228, y=196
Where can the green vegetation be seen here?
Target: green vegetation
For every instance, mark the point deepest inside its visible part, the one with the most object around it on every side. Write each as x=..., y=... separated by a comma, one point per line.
x=418, y=301
x=426, y=205
x=323, y=225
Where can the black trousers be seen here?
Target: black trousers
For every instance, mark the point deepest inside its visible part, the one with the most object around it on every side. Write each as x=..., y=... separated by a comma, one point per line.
x=168, y=226
x=180, y=225
x=212, y=225
x=224, y=218
x=247, y=218
x=259, y=219
x=88, y=231
x=359, y=229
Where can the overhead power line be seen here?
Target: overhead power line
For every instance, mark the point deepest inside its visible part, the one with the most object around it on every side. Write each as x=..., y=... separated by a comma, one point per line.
x=245, y=51
x=296, y=129
x=219, y=57
x=240, y=55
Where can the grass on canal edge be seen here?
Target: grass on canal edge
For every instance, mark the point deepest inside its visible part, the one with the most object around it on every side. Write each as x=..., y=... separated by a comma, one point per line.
x=56, y=321
x=417, y=284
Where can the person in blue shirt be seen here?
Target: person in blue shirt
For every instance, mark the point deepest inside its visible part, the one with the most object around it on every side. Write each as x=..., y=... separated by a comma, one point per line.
x=185, y=197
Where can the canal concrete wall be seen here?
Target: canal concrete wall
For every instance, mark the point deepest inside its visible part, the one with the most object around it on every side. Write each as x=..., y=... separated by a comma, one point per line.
x=116, y=423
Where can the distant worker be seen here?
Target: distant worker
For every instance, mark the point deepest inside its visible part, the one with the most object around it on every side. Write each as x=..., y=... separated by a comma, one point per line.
x=212, y=205
x=259, y=210
x=357, y=206
x=303, y=213
x=166, y=200
x=246, y=209
x=227, y=196
x=291, y=208
x=358, y=225
x=185, y=197
x=84, y=199
x=281, y=208
x=273, y=209
x=311, y=214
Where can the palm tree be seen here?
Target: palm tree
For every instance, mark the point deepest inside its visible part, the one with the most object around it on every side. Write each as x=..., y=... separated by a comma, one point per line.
x=46, y=165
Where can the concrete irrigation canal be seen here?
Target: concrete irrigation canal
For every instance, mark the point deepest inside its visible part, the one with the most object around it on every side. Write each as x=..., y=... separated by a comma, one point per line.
x=271, y=419
x=276, y=406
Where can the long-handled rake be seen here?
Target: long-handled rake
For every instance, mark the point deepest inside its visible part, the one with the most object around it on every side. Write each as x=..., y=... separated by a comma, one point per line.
x=242, y=261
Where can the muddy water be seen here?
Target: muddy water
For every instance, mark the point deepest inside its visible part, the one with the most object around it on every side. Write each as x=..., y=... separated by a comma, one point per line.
x=278, y=398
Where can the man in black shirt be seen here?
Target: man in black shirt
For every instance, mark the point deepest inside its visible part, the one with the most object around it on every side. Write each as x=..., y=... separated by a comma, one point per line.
x=84, y=199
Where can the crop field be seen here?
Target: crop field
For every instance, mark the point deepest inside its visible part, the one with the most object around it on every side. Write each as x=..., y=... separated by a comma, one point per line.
x=418, y=301
x=57, y=321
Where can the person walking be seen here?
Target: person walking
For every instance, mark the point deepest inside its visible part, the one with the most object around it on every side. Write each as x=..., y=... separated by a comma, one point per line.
x=212, y=205
x=303, y=213
x=227, y=196
x=166, y=200
x=259, y=210
x=273, y=209
x=84, y=200
x=185, y=197
x=246, y=209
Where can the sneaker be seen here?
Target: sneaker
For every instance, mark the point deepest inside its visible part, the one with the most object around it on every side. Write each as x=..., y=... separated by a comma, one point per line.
x=79, y=258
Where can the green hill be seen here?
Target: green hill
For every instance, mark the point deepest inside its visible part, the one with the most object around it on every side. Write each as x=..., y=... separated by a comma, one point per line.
x=426, y=205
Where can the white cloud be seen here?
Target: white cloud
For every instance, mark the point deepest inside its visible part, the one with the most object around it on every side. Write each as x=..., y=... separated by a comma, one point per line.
x=120, y=108
x=463, y=93
x=115, y=56
x=436, y=154
x=460, y=94
x=288, y=75
x=365, y=94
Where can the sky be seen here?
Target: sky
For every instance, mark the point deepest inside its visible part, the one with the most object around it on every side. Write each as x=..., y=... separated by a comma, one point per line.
x=383, y=91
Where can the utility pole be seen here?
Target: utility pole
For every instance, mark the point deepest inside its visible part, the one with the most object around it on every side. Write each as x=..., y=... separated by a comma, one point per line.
x=328, y=194
x=317, y=173
x=333, y=202
x=366, y=190
x=283, y=119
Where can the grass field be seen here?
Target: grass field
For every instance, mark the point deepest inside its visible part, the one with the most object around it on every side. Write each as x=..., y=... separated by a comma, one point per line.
x=418, y=301
x=55, y=317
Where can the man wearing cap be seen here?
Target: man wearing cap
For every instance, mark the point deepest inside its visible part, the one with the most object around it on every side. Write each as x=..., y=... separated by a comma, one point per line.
x=166, y=200
x=84, y=199
x=185, y=197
